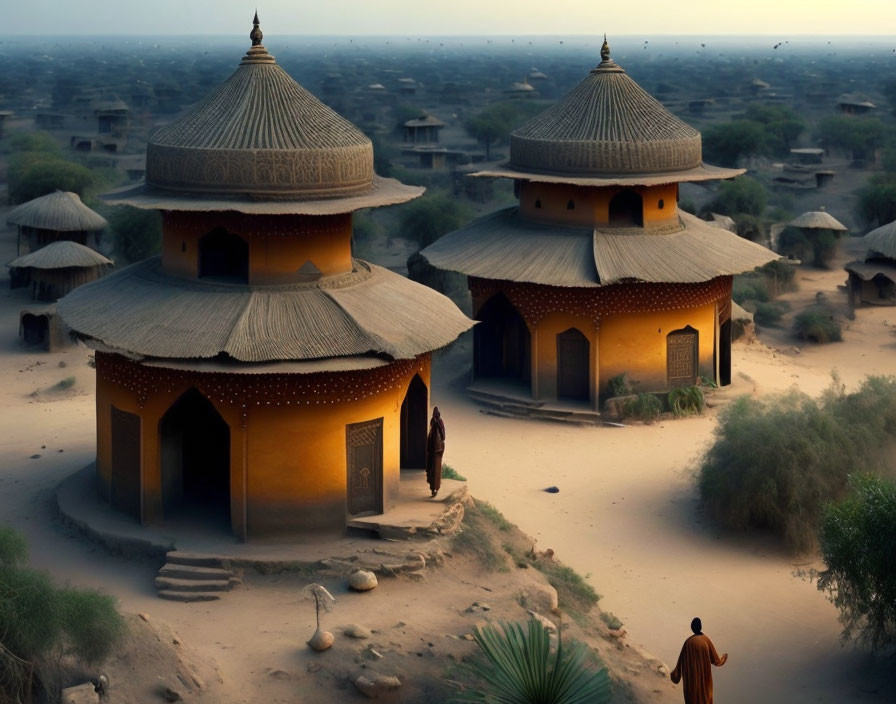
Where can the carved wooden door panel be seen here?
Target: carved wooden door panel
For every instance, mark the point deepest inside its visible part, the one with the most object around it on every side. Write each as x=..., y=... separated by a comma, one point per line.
x=125, y=489
x=364, y=447
x=681, y=357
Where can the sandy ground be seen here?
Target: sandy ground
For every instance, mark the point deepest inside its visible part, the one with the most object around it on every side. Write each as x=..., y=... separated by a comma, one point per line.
x=626, y=515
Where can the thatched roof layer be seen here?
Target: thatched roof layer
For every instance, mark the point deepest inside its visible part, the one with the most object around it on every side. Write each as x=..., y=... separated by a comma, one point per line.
x=425, y=121
x=505, y=246
x=61, y=211
x=63, y=254
x=370, y=311
x=868, y=270
x=882, y=240
x=818, y=220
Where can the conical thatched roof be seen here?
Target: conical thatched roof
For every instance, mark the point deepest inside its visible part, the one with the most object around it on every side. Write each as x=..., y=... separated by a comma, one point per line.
x=882, y=240
x=260, y=136
x=608, y=130
x=63, y=254
x=61, y=211
x=818, y=220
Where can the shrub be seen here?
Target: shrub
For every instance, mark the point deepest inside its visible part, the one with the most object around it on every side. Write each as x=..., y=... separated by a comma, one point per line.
x=612, y=622
x=645, y=407
x=519, y=667
x=749, y=287
x=858, y=545
x=475, y=538
x=35, y=174
x=426, y=219
x=136, y=233
x=619, y=385
x=770, y=313
x=687, y=401
x=574, y=593
x=817, y=324
x=742, y=195
x=448, y=472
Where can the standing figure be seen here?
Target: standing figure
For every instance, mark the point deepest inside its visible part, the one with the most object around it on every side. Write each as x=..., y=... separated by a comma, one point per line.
x=435, y=447
x=697, y=656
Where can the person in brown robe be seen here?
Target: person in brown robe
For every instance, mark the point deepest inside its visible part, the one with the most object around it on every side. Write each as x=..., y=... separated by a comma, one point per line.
x=435, y=447
x=698, y=654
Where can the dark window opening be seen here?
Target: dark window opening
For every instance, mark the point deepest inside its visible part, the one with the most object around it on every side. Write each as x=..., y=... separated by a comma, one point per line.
x=183, y=246
x=537, y=203
x=661, y=204
x=224, y=256
x=626, y=209
x=571, y=205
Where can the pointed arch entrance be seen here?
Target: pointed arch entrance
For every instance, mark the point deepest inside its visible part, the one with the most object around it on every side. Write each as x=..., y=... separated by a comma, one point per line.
x=414, y=412
x=681, y=357
x=195, y=453
x=573, y=366
x=627, y=209
x=501, y=342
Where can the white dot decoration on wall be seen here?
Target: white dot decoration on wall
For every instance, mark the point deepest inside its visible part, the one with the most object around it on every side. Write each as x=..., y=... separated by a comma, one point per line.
x=243, y=391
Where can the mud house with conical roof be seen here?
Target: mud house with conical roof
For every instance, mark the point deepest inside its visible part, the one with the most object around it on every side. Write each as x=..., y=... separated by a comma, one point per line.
x=597, y=273
x=256, y=375
x=873, y=279
x=56, y=216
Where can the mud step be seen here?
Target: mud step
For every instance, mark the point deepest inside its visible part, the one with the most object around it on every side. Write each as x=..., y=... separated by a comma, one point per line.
x=194, y=585
x=196, y=573
x=176, y=557
x=189, y=596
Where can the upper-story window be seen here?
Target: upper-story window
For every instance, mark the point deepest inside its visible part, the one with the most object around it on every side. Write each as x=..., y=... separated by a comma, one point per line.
x=570, y=205
x=224, y=256
x=627, y=209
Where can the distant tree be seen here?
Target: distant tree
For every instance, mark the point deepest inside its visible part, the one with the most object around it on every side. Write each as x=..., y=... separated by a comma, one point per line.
x=136, y=233
x=859, y=136
x=426, y=219
x=383, y=154
x=889, y=91
x=877, y=200
x=858, y=545
x=404, y=112
x=725, y=144
x=495, y=123
x=780, y=124
x=742, y=195
x=34, y=174
x=36, y=141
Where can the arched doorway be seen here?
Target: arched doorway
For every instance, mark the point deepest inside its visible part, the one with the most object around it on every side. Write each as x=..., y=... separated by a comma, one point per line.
x=573, y=366
x=501, y=341
x=627, y=209
x=725, y=353
x=224, y=256
x=681, y=357
x=195, y=451
x=35, y=329
x=414, y=412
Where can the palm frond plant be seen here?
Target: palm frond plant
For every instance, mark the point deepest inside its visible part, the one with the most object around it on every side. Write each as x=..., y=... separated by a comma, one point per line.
x=519, y=668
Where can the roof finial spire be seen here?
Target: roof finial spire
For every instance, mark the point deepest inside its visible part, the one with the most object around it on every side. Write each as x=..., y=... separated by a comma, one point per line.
x=605, y=50
x=255, y=35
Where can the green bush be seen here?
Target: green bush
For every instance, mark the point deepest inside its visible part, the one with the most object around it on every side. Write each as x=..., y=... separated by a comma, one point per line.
x=817, y=324
x=741, y=195
x=858, y=546
x=686, y=401
x=475, y=538
x=35, y=174
x=619, y=385
x=426, y=219
x=519, y=667
x=770, y=313
x=42, y=626
x=775, y=462
x=749, y=287
x=645, y=407
x=136, y=233
x=448, y=472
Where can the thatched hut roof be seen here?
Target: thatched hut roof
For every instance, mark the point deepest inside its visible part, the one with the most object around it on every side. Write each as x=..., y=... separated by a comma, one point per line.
x=882, y=240
x=61, y=211
x=505, y=246
x=63, y=254
x=261, y=137
x=425, y=120
x=856, y=100
x=607, y=131
x=818, y=220
x=141, y=310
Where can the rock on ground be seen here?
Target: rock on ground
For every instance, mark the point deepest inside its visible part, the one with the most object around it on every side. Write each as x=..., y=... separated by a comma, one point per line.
x=82, y=694
x=362, y=580
x=375, y=686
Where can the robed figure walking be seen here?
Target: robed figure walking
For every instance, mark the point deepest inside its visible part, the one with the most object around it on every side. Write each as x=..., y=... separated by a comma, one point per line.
x=695, y=662
x=435, y=448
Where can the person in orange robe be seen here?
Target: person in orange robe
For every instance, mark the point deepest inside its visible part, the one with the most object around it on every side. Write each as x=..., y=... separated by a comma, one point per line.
x=435, y=447
x=698, y=654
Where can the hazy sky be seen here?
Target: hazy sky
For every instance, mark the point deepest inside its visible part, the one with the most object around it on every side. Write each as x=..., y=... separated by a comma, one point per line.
x=779, y=18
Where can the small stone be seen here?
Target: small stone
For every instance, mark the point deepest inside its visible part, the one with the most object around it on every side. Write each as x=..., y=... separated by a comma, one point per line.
x=362, y=580
x=82, y=694
x=552, y=490
x=170, y=695
x=279, y=675
x=321, y=640
x=477, y=606
x=467, y=636
x=373, y=686
x=356, y=631
x=373, y=654
x=34, y=457
x=62, y=363
x=547, y=623
x=313, y=667
x=663, y=670
x=617, y=633
x=144, y=616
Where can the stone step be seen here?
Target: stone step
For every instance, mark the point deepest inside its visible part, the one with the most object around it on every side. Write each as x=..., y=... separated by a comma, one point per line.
x=189, y=596
x=176, y=557
x=194, y=585
x=193, y=572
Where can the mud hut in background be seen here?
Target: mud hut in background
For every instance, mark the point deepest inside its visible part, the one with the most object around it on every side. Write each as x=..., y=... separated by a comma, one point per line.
x=57, y=269
x=256, y=374
x=41, y=327
x=423, y=130
x=597, y=273
x=812, y=237
x=56, y=216
x=855, y=104
x=873, y=280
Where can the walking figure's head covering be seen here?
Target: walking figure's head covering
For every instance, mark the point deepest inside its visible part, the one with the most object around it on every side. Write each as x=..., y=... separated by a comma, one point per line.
x=437, y=421
x=697, y=626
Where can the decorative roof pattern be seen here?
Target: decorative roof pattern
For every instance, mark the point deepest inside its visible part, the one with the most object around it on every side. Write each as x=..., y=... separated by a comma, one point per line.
x=63, y=254
x=61, y=211
x=142, y=311
x=505, y=246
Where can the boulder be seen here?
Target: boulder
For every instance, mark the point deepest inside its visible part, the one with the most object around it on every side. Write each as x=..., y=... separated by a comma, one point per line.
x=615, y=407
x=356, y=631
x=321, y=640
x=547, y=623
x=375, y=686
x=362, y=580
x=82, y=694
x=539, y=597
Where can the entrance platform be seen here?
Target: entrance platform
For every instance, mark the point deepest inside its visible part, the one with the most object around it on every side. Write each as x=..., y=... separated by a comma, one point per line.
x=382, y=542
x=510, y=399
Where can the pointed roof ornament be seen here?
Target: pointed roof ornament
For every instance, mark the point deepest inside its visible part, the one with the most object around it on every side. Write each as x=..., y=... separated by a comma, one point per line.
x=256, y=35
x=257, y=54
x=606, y=63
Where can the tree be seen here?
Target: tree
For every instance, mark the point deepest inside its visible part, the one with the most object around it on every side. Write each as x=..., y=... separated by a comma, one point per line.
x=877, y=200
x=725, y=144
x=426, y=219
x=781, y=126
x=860, y=136
x=136, y=233
x=858, y=546
x=742, y=195
x=35, y=174
x=495, y=123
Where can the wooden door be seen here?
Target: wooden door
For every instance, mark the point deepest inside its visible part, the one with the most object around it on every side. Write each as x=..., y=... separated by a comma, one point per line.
x=573, y=353
x=364, y=447
x=125, y=489
x=681, y=357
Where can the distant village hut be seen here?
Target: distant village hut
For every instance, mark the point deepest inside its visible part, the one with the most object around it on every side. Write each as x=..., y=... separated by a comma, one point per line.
x=597, y=273
x=873, y=280
x=423, y=130
x=56, y=216
x=407, y=86
x=112, y=117
x=57, y=269
x=812, y=236
x=855, y=104
x=256, y=374
x=41, y=328
x=521, y=89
